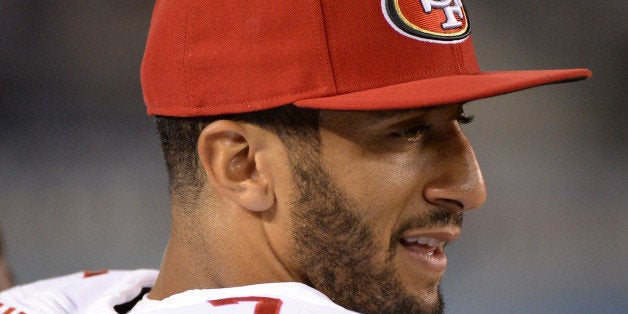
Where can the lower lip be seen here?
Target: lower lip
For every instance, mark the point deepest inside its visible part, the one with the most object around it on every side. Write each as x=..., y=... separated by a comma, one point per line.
x=436, y=262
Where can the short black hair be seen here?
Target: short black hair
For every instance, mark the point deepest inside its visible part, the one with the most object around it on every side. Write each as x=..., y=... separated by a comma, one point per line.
x=296, y=127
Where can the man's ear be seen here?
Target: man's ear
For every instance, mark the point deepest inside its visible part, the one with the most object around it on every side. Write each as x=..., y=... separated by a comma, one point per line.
x=227, y=151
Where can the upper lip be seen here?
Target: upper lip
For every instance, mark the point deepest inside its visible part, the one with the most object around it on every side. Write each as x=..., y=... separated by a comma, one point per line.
x=440, y=235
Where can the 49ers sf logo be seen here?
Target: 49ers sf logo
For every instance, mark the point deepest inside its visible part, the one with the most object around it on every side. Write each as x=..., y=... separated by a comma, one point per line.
x=443, y=21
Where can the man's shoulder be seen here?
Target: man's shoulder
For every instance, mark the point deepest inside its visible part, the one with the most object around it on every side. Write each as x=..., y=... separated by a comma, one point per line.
x=281, y=297
x=76, y=292
x=100, y=291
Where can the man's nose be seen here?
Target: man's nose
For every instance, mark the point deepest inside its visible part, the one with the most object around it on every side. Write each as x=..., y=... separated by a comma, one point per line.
x=457, y=183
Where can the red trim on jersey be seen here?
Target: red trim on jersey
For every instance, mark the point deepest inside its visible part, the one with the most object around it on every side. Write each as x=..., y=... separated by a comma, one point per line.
x=89, y=273
x=264, y=305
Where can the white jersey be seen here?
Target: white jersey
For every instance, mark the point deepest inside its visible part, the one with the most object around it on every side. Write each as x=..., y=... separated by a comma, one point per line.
x=119, y=291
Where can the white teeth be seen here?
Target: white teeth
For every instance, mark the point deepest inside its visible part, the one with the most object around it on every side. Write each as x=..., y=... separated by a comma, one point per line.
x=434, y=242
x=425, y=241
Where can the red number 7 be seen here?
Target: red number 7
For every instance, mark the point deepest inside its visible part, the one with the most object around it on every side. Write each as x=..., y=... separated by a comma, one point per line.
x=264, y=305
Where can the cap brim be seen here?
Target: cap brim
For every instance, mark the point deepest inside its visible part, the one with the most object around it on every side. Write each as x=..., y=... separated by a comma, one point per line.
x=444, y=90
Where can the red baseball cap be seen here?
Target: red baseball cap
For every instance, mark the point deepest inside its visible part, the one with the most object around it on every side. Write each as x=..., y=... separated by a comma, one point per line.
x=210, y=57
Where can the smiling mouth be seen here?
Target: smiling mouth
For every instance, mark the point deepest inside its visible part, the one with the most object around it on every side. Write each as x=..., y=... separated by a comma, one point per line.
x=426, y=251
x=426, y=245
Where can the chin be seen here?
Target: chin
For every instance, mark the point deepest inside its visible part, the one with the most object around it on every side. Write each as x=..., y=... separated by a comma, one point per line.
x=428, y=295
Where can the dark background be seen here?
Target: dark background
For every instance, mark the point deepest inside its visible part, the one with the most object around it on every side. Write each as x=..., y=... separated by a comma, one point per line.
x=82, y=185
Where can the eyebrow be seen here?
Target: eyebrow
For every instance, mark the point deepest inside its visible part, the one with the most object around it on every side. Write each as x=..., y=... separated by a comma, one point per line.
x=377, y=117
x=386, y=114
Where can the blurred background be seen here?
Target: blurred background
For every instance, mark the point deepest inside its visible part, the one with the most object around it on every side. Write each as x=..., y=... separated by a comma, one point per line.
x=82, y=185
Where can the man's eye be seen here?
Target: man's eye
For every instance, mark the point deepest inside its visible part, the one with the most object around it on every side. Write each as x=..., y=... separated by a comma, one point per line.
x=412, y=134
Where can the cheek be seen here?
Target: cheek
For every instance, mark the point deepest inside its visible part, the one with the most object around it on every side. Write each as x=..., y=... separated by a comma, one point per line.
x=383, y=186
x=388, y=179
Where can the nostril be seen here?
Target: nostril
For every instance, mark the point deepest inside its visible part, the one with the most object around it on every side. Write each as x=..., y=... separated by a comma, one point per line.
x=455, y=205
x=444, y=198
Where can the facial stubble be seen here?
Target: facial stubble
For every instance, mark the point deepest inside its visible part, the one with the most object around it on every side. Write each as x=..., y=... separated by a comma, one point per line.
x=335, y=248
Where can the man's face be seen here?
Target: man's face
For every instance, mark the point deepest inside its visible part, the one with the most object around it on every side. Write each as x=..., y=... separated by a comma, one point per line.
x=373, y=211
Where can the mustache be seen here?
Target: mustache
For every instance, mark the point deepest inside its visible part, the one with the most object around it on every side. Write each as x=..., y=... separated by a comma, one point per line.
x=435, y=218
x=444, y=217
x=438, y=217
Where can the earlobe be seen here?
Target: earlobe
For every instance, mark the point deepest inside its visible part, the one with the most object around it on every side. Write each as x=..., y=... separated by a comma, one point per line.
x=227, y=151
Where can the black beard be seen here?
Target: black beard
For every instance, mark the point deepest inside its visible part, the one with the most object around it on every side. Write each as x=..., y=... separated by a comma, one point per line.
x=334, y=249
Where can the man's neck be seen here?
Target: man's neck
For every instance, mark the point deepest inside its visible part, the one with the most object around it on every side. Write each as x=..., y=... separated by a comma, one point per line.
x=195, y=264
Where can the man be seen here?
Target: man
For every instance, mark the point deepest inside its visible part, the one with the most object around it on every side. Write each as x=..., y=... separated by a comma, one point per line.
x=315, y=155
